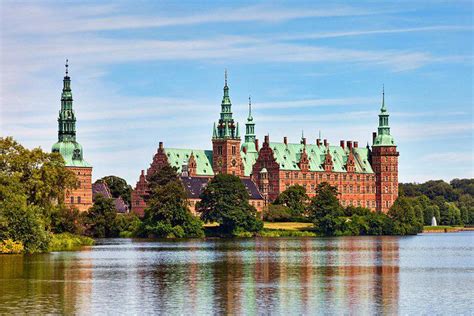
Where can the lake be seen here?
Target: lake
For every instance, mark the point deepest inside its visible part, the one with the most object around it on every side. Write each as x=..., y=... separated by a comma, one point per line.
x=424, y=274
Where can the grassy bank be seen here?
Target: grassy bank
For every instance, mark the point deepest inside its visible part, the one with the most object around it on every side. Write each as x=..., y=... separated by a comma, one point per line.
x=443, y=229
x=287, y=229
x=68, y=242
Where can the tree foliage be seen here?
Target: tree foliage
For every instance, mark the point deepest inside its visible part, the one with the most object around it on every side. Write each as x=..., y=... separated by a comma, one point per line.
x=100, y=219
x=32, y=187
x=295, y=198
x=225, y=200
x=168, y=214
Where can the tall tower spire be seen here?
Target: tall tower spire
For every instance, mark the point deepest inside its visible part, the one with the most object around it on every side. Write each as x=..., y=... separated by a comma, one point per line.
x=226, y=127
x=66, y=119
x=250, y=129
x=383, y=136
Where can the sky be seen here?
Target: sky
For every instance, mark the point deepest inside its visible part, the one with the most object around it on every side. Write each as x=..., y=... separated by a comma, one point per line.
x=149, y=71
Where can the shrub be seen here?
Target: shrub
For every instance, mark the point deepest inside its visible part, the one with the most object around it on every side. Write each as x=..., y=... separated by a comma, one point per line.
x=11, y=247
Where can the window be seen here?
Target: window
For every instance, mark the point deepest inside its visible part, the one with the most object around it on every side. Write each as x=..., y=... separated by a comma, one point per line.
x=344, y=177
x=304, y=175
x=350, y=189
x=287, y=175
x=137, y=203
x=312, y=176
x=233, y=150
x=358, y=178
x=78, y=199
x=312, y=187
x=72, y=200
x=296, y=175
x=219, y=150
x=336, y=177
x=386, y=189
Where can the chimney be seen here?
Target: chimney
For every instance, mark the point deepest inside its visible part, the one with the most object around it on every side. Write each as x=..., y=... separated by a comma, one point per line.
x=374, y=135
x=356, y=144
x=256, y=144
x=342, y=144
x=267, y=139
x=325, y=143
x=349, y=144
x=143, y=172
x=285, y=140
x=160, y=146
x=318, y=142
x=303, y=141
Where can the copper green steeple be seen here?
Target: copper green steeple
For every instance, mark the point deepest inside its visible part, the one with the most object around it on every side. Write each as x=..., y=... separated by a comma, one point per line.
x=226, y=127
x=67, y=146
x=383, y=135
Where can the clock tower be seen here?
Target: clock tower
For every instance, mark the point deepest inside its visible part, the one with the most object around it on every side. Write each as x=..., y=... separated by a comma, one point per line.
x=226, y=140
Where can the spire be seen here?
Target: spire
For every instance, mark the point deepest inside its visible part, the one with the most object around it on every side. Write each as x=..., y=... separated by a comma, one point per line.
x=226, y=126
x=250, y=118
x=66, y=119
x=383, y=136
x=237, y=133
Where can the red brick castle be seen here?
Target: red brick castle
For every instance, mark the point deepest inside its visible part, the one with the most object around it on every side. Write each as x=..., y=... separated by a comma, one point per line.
x=364, y=176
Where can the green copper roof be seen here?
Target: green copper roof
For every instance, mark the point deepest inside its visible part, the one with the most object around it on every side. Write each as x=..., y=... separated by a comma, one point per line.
x=72, y=153
x=178, y=157
x=249, y=158
x=383, y=135
x=67, y=145
x=288, y=156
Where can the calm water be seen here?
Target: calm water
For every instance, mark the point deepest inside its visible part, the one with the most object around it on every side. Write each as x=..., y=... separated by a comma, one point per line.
x=426, y=274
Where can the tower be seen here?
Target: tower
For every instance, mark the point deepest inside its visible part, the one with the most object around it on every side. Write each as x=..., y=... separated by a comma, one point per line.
x=385, y=162
x=249, y=145
x=72, y=151
x=226, y=140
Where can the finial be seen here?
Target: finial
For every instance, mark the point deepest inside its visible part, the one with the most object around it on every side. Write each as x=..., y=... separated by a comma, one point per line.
x=383, y=97
x=67, y=66
x=302, y=134
x=250, y=106
x=225, y=76
x=319, y=134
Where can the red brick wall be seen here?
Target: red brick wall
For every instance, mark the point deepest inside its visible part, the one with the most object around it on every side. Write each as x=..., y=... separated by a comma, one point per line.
x=353, y=188
x=266, y=160
x=80, y=198
x=230, y=161
x=385, y=165
x=137, y=200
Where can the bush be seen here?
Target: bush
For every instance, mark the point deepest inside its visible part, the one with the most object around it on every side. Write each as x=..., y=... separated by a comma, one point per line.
x=11, y=247
x=68, y=242
x=277, y=213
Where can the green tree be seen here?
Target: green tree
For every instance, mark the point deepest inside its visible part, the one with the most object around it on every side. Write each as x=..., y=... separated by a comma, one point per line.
x=32, y=187
x=295, y=198
x=167, y=214
x=67, y=220
x=406, y=221
x=325, y=202
x=225, y=200
x=118, y=188
x=100, y=219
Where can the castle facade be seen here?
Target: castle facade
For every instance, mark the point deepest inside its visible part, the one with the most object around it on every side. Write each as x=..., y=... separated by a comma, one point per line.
x=364, y=176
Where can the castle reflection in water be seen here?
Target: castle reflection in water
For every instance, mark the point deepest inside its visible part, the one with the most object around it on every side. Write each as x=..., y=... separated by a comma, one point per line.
x=247, y=276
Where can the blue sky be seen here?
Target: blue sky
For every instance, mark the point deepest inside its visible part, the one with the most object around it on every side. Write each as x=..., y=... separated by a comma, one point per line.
x=149, y=71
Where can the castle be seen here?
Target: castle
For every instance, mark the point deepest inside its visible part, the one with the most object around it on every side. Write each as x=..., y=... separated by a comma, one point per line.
x=363, y=176
x=72, y=152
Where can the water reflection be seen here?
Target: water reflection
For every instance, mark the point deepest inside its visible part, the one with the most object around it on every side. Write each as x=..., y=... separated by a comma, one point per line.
x=355, y=275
